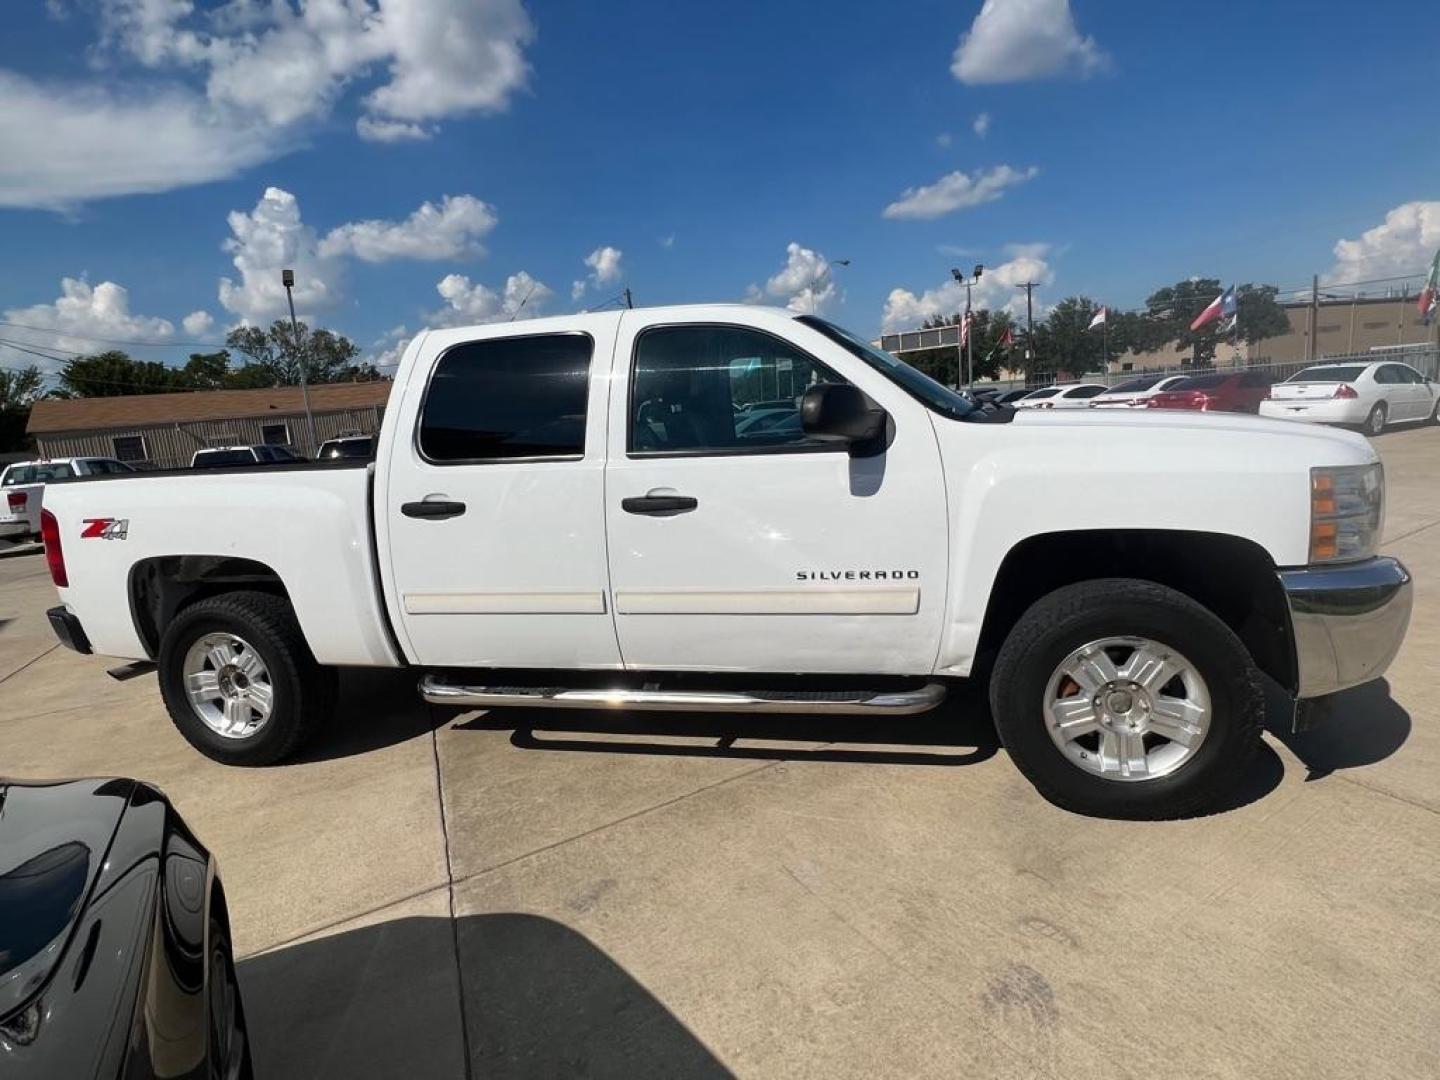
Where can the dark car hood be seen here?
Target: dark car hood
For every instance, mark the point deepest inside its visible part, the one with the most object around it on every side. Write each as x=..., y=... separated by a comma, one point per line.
x=53, y=840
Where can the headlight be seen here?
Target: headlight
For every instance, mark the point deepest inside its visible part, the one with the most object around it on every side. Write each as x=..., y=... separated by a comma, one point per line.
x=1347, y=508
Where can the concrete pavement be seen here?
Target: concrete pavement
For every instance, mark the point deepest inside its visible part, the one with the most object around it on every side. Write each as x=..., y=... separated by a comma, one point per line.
x=561, y=894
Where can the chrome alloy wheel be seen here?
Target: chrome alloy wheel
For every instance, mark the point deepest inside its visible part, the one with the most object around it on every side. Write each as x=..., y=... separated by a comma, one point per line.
x=228, y=685
x=1127, y=708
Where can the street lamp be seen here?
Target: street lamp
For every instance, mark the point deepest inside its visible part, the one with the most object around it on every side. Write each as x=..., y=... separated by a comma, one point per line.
x=966, y=328
x=287, y=278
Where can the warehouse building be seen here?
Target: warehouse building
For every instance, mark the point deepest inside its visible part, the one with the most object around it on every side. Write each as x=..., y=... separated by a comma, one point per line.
x=163, y=431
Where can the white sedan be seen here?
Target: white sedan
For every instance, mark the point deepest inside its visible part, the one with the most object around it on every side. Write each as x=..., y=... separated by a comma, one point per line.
x=1134, y=392
x=1372, y=396
x=1063, y=396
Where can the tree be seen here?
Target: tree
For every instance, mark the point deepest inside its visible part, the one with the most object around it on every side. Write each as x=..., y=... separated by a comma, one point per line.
x=19, y=390
x=113, y=373
x=326, y=356
x=1170, y=311
x=207, y=371
x=1065, y=339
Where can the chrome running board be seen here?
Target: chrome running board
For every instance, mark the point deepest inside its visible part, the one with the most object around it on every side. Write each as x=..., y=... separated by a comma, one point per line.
x=437, y=691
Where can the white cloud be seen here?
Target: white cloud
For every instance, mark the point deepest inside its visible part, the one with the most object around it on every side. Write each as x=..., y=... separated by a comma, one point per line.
x=84, y=318
x=997, y=290
x=604, y=263
x=467, y=303
x=451, y=230
x=390, y=131
x=805, y=284
x=1018, y=40
x=981, y=124
x=240, y=84
x=944, y=139
x=667, y=241
x=263, y=242
x=577, y=288
x=957, y=191
x=1402, y=245
x=64, y=145
x=385, y=353
x=198, y=323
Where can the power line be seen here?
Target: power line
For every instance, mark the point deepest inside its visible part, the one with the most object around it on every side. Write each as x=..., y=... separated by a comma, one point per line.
x=52, y=331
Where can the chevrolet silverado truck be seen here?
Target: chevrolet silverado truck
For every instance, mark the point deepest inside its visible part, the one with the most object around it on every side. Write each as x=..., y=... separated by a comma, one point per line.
x=583, y=512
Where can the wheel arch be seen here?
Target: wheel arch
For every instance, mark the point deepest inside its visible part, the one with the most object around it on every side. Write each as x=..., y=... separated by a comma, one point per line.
x=1233, y=577
x=160, y=588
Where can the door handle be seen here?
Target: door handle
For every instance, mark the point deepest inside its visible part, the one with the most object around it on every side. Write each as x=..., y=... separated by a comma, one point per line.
x=661, y=505
x=433, y=508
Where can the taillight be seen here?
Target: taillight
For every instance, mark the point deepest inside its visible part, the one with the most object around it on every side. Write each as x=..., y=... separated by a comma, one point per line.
x=17, y=499
x=1345, y=390
x=54, y=557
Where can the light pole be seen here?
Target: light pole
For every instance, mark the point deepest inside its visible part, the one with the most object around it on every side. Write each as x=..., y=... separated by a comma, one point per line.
x=967, y=330
x=287, y=278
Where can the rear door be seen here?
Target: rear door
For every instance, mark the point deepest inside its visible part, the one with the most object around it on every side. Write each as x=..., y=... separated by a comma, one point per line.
x=736, y=549
x=1417, y=392
x=490, y=498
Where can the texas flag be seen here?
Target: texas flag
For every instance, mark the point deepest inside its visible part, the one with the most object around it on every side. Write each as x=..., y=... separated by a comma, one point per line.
x=1099, y=319
x=1222, y=305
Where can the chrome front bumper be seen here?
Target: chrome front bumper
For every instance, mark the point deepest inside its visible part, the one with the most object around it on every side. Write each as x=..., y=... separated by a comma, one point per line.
x=1348, y=622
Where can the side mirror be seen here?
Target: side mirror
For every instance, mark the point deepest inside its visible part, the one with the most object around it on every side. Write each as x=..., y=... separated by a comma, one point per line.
x=839, y=412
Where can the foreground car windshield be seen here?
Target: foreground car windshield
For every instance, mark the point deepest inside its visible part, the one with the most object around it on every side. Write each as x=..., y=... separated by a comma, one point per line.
x=1328, y=374
x=913, y=381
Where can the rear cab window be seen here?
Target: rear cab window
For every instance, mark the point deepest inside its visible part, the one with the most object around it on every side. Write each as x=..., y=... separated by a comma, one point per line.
x=507, y=399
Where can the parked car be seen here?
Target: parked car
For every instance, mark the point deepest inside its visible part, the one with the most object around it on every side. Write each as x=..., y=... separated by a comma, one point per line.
x=1010, y=397
x=570, y=496
x=115, y=953
x=1217, y=392
x=1064, y=396
x=23, y=484
x=1372, y=396
x=347, y=446
x=227, y=457
x=1135, y=392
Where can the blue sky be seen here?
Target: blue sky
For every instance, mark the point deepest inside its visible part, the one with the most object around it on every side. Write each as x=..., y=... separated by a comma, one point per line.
x=1128, y=145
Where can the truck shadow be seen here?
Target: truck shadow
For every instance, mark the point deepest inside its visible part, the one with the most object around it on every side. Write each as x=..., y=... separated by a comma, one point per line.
x=1355, y=727
x=377, y=707
x=959, y=732
x=539, y=1000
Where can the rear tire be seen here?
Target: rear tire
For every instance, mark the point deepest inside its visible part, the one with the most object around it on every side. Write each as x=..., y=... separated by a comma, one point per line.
x=1375, y=422
x=301, y=693
x=1218, y=671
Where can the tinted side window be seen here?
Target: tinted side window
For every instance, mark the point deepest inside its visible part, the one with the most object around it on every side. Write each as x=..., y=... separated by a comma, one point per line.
x=1086, y=392
x=508, y=398
x=1409, y=374
x=721, y=389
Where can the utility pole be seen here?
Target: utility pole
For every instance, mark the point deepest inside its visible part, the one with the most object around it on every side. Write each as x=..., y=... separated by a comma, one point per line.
x=1029, y=288
x=287, y=278
x=1314, y=318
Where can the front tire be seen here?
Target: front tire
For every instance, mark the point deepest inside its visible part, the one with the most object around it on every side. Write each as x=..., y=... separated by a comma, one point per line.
x=239, y=681
x=1375, y=422
x=1124, y=698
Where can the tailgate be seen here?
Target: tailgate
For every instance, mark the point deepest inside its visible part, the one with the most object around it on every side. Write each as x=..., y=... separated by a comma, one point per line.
x=22, y=504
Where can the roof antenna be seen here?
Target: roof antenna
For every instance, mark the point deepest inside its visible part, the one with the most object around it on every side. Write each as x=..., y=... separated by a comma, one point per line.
x=526, y=300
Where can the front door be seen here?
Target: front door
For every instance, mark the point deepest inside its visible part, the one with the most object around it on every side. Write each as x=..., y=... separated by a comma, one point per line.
x=736, y=542
x=490, y=501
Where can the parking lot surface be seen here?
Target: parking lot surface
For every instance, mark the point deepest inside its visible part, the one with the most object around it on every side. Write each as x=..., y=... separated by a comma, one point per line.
x=565, y=894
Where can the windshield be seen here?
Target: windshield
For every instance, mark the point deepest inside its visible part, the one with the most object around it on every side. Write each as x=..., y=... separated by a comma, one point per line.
x=913, y=381
x=37, y=474
x=1328, y=374
x=1200, y=382
x=1134, y=386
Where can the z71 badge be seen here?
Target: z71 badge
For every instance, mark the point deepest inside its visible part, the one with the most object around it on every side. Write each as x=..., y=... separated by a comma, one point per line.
x=105, y=529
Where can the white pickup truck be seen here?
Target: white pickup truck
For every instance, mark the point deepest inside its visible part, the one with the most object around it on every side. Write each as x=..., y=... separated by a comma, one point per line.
x=585, y=512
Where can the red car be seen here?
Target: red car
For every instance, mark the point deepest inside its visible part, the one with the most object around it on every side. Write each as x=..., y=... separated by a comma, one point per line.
x=1215, y=393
